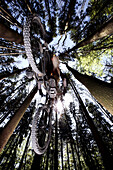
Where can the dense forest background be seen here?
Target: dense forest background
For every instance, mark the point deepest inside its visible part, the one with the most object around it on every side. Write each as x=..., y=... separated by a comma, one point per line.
x=82, y=33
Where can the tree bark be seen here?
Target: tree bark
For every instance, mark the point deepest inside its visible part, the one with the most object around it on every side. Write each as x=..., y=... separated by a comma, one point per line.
x=48, y=9
x=56, y=147
x=10, y=17
x=76, y=147
x=68, y=156
x=47, y=159
x=71, y=143
x=8, y=74
x=11, y=125
x=70, y=13
x=62, y=152
x=25, y=150
x=106, y=156
x=36, y=162
x=105, y=30
x=28, y=6
x=102, y=91
x=10, y=35
x=10, y=54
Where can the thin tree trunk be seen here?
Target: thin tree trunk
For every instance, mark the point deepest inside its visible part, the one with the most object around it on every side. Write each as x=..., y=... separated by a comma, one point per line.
x=28, y=6
x=13, y=90
x=9, y=17
x=10, y=54
x=11, y=125
x=73, y=153
x=71, y=139
x=8, y=74
x=10, y=109
x=77, y=145
x=12, y=158
x=48, y=9
x=25, y=150
x=10, y=35
x=68, y=156
x=52, y=157
x=36, y=162
x=62, y=151
x=56, y=147
x=71, y=8
x=12, y=48
x=46, y=168
x=105, y=30
x=9, y=155
x=8, y=148
x=106, y=156
x=101, y=90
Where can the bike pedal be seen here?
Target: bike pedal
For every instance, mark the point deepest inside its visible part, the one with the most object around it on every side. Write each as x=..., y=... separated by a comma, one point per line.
x=52, y=93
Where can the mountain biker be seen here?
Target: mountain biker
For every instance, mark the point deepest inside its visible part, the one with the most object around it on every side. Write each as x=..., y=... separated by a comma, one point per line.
x=54, y=73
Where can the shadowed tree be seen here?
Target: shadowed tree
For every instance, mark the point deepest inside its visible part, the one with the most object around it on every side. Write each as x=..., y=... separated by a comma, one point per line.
x=101, y=90
x=8, y=74
x=86, y=23
x=105, y=30
x=11, y=125
x=101, y=145
x=25, y=150
x=10, y=35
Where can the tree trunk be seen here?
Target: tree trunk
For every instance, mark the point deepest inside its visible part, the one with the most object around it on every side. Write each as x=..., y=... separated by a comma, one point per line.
x=9, y=154
x=102, y=91
x=11, y=93
x=12, y=158
x=8, y=74
x=10, y=35
x=105, y=30
x=52, y=152
x=71, y=143
x=36, y=162
x=25, y=150
x=47, y=159
x=70, y=12
x=68, y=156
x=106, y=156
x=76, y=147
x=8, y=147
x=10, y=54
x=11, y=125
x=9, y=109
x=56, y=147
x=8, y=15
x=28, y=6
x=48, y=9
x=62, y=151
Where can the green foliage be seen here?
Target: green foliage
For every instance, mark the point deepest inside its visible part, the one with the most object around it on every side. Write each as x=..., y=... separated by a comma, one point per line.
x=90, y=64
x=80, y=20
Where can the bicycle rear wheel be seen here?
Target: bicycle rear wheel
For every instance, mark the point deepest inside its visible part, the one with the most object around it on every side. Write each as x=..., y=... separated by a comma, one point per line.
x=41, y=130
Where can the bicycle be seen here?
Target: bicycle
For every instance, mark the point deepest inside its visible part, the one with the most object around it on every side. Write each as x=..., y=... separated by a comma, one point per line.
x=38, y=50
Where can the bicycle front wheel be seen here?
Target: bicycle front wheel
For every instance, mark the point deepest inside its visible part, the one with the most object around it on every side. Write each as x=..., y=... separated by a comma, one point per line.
x=41, y=130
x=33, y=33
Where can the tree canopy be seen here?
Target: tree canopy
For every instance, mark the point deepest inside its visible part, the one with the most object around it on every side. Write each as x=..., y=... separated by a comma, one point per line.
x=82, y=36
